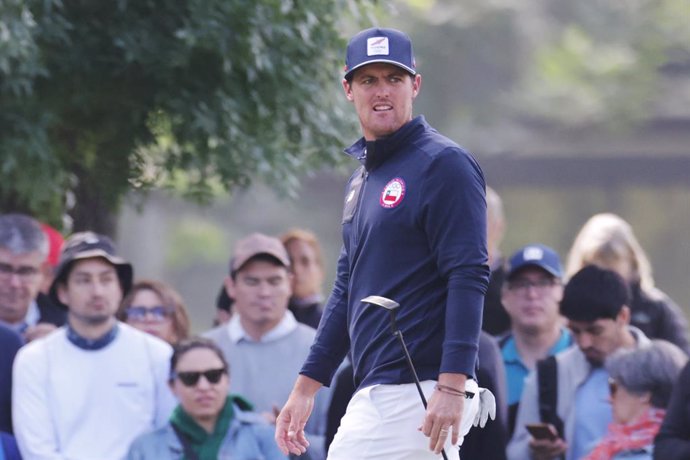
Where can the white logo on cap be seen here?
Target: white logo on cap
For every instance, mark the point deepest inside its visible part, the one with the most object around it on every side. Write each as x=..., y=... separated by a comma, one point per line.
x=377, y=46
x=532, y=253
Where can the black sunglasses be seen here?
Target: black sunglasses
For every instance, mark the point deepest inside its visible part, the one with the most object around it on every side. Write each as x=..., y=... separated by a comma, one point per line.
x=190, y=379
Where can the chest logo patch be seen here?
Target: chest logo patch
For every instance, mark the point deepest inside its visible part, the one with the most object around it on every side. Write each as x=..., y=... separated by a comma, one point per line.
x=393, y=193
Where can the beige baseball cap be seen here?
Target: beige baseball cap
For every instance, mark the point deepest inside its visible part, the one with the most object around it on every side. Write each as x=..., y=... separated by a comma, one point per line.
x=254, y=245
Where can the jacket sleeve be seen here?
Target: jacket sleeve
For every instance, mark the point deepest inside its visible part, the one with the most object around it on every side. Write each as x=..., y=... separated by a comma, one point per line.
x=10, y=343
x=490, y=358
x=673, y=440
x=33, y=422
x=454, y=219
x=490, y=441
x=135, y=451
x=528, y=412
x=674, y=326
x=165, y=400
x=332, y=341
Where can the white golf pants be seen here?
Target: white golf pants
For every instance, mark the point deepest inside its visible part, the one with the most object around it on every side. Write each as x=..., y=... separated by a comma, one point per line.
x=382, y=421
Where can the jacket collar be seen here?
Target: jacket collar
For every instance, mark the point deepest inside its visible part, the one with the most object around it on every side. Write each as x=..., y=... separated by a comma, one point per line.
x=374, y=153
x=243, y=415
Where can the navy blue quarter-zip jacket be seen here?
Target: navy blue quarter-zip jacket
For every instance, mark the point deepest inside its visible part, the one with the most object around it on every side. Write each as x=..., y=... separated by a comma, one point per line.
x=414, y=230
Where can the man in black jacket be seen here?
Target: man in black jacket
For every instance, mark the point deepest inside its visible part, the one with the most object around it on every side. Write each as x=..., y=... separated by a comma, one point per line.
x=10, y=342
x=23, y=253
x=673, y=440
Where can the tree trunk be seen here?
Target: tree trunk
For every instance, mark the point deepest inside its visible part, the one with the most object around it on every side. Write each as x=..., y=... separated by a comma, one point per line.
x=94, y=209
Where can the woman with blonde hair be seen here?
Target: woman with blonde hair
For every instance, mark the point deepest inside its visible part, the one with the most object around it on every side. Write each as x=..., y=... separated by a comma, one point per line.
x=608, y=241
x=156, y=308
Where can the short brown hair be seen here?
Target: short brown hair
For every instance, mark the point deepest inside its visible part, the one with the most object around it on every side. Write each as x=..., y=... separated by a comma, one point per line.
x=299, y=234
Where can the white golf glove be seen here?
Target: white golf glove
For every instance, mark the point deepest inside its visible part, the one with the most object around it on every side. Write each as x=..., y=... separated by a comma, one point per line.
x=487, y=408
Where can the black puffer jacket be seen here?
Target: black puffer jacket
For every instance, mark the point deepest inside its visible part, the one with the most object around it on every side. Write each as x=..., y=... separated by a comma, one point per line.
x=655, y=314
x=673, y=440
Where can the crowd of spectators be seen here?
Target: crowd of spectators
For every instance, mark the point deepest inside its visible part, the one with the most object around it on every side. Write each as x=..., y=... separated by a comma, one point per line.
x=587, y=361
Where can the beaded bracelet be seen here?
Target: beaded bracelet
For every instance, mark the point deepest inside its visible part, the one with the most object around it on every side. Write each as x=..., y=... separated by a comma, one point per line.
x=449, y=390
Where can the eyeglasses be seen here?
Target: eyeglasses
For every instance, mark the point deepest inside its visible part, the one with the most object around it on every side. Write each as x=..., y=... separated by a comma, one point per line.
x=25, y=273
x=190, y=379
x=158, y=313
x=523, y=285
x=613, y=387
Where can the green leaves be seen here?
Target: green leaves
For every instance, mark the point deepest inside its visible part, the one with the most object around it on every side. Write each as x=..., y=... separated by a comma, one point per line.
x=195, y=94
x=602, y=61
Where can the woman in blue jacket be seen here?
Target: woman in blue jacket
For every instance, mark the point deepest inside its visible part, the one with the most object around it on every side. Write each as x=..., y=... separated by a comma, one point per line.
x=208, y=423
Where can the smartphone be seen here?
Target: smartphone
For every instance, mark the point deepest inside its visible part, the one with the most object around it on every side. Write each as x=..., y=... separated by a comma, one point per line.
x=542, y=431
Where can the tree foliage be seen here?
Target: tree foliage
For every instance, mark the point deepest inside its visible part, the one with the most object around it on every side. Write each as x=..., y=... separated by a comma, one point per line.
x=603, y=61
x=100, y=97
x=565, y=63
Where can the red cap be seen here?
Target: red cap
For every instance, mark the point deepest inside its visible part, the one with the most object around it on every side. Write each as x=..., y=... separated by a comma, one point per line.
x=55, y=242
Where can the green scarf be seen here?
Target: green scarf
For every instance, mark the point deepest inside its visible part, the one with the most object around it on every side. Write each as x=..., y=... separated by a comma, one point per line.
x=207, y=445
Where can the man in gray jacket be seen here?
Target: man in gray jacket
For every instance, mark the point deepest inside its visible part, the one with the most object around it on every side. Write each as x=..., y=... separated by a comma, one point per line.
x=595, y=302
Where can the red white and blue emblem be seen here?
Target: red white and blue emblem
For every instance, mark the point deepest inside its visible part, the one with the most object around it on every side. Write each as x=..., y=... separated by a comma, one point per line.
x=393, y=193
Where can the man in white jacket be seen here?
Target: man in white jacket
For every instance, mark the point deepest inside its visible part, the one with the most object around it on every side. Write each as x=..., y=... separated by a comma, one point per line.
x=88, y=389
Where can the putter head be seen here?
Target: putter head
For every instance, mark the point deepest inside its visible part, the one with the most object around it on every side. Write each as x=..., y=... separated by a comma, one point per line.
x=379, y=301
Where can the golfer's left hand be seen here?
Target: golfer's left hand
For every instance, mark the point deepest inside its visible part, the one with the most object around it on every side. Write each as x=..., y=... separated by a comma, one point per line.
x=443, y=415
x=487, y=408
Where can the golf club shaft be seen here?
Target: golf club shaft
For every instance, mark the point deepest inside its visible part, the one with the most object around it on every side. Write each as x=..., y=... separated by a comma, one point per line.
x=411, y=366
x=414, y=375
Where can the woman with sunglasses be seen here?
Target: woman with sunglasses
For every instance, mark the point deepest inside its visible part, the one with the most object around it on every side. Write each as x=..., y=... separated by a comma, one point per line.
x=208, y=424
x=156, y=308
x=640, y=385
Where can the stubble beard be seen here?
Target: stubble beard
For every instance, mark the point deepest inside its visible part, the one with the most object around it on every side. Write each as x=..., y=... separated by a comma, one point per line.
x=92, y=320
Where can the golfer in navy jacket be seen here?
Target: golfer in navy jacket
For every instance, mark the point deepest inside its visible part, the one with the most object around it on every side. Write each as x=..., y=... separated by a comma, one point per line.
x=414, y=230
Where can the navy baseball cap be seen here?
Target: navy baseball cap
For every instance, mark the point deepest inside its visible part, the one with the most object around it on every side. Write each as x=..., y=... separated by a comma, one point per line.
x=389, y=46
x=535, y=255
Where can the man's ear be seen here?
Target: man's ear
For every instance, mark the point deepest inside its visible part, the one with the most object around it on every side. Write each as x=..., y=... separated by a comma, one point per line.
x=624, y=315
x=229, y=286
x=416, y=85
x=347, y=86
x=63, y=297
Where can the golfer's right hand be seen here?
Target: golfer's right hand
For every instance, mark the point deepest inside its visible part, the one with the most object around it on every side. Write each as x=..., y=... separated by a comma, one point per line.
x=290, y=424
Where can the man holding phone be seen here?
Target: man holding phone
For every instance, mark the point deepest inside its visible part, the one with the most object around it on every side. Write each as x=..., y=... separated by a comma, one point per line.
x=595, y=303
x=530, y=294
x=542, y=431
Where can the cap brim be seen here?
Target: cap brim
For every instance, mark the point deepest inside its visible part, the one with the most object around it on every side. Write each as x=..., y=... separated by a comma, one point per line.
x=409, y=70
x=238, y=263
x=550, y=270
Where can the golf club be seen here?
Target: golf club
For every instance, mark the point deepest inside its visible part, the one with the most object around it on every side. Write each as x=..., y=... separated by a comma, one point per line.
x=391, y=306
